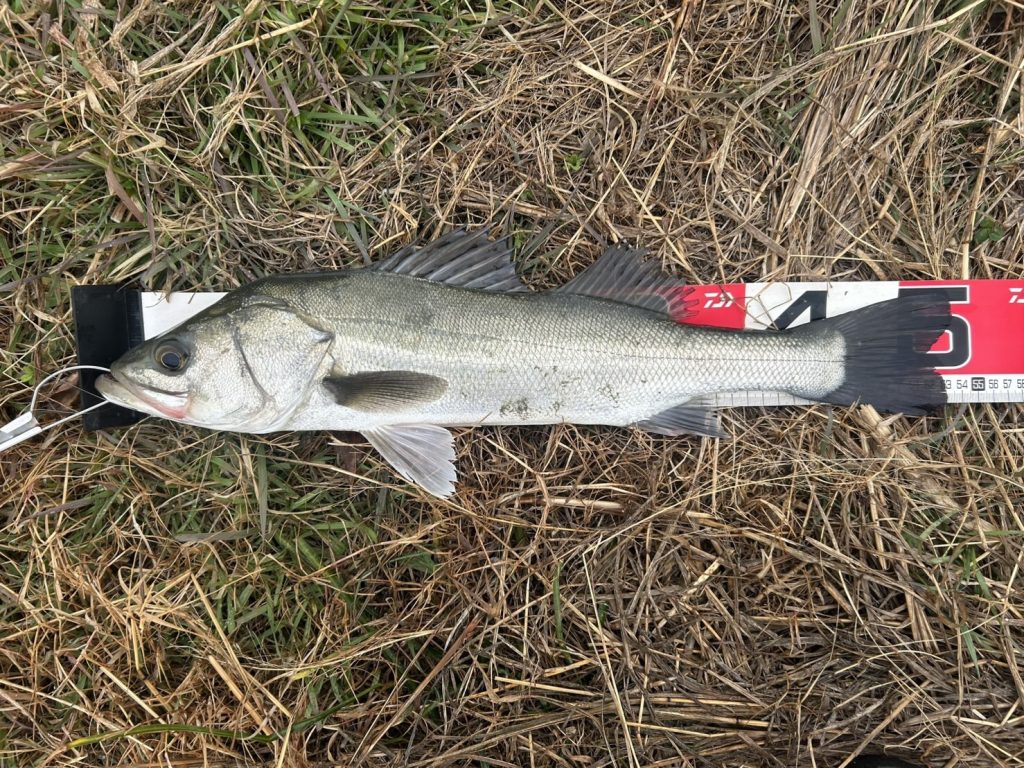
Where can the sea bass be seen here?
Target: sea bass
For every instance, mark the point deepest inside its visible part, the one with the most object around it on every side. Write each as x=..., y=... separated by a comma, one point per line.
x=447, y=335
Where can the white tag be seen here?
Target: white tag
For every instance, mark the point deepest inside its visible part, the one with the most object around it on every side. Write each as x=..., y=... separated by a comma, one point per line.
x=26, y=425
x=19, y=430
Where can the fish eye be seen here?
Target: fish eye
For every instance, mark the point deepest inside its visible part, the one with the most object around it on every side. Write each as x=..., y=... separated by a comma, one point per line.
x=171, y=356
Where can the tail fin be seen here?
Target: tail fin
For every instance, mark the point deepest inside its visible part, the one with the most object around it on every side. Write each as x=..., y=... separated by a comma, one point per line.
x=887, y=364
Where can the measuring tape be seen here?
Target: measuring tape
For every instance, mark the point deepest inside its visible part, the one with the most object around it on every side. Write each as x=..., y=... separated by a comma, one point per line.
x=980, y=358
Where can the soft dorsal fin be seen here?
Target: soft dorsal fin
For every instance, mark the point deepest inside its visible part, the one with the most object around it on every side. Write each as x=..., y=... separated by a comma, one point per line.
x=620, y=274
x=460, y=258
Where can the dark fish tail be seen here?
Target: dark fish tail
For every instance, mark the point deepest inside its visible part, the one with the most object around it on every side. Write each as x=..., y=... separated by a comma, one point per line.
x=887, y=363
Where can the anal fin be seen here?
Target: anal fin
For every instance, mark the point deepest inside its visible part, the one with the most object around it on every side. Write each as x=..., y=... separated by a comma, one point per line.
x=687, y=418
x=424, y=454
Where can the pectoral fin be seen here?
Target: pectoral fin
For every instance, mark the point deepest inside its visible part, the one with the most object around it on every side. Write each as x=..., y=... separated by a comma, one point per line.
x=385, y=391
x=685, y=418
x=423, y=454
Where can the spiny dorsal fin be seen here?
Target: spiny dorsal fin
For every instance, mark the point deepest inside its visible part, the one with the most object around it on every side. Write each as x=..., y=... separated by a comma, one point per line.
x=620, y=274
x=460, y=258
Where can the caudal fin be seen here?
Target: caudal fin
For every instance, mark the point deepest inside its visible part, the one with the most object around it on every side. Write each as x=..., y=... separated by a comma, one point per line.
x=887, y=364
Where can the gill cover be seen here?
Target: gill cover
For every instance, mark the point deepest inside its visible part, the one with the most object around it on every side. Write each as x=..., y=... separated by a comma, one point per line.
x=278, y=351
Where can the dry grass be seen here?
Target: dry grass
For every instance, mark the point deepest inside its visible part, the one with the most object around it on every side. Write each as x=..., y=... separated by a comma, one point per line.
x=824, y=584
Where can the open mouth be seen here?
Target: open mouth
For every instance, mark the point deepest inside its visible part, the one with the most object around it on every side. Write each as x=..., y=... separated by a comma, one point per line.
x=159, y=402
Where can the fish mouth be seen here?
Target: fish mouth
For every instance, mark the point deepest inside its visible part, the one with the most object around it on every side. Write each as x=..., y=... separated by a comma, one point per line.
x=159, y=402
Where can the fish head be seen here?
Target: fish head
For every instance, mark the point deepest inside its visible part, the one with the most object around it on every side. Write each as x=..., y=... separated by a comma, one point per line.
x=245, y=364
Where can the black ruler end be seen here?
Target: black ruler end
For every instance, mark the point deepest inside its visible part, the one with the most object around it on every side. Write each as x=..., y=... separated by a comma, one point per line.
x=108, y=322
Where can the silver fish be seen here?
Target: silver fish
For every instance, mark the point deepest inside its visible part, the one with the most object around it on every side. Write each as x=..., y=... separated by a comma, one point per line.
x=447, y=335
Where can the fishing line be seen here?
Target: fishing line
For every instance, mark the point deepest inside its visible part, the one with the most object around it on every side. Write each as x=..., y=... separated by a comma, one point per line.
x=26, y=425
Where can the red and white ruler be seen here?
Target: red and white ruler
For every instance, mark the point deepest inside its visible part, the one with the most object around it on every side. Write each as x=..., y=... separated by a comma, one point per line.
x=981, y=357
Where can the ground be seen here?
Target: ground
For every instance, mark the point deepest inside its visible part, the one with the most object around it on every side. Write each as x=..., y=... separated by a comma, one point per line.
x=821, y=584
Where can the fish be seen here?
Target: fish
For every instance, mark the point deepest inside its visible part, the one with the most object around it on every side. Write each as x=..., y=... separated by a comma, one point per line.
x=447, y=335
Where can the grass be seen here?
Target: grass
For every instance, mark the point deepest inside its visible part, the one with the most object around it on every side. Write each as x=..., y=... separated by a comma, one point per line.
x=824, y=584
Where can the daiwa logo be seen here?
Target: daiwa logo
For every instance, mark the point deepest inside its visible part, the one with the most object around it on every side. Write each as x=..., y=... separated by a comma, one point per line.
x=1017, y=295
x=717, y=299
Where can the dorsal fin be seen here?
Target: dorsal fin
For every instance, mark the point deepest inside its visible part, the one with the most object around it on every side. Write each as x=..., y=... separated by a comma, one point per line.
x=620, y=274
x=460, y=258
